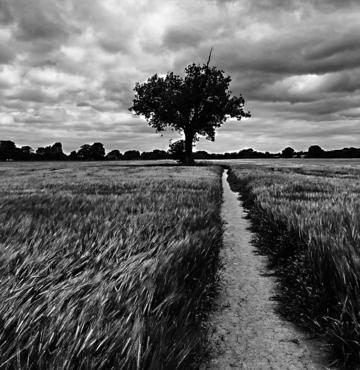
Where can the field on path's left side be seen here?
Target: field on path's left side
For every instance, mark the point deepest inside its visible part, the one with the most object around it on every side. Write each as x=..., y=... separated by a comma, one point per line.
x=104, y=266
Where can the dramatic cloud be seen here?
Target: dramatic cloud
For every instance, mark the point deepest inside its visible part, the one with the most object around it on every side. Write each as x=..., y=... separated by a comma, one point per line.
x=68, y=67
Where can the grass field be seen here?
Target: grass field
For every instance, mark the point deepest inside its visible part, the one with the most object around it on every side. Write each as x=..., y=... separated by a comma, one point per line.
x=307, y=218
x=105, y=266
x=109, y=265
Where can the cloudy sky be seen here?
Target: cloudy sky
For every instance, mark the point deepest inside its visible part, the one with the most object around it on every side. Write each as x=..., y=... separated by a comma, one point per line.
x=68, y=67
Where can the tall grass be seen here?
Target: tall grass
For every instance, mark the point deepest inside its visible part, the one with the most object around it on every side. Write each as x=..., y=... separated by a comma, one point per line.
x=309, y=223
x=105, y=267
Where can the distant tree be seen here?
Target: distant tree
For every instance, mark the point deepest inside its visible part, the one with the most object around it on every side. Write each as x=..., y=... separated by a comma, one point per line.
x=315, y=151
x=25, y=153
x=55, y=152
x=177, y=150
x=56, y=148
x=84, y=153
x=73, y=156
x=246, y=153
x=229, y=155
x=131, y=155
x=97, y=151
x=288, y=152
x=94, y=152
x=343, y=153
x=114, y=155
x=27, y=150
x=194, y=105
x=8, y=150
x=40, y=151
x=300, y=154
x=51, y=153
x=201, y=154
x=156, y=154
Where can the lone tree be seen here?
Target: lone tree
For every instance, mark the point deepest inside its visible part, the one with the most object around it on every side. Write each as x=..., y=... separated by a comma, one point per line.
x=288, y=152
x=315, y=151
x=194, y=105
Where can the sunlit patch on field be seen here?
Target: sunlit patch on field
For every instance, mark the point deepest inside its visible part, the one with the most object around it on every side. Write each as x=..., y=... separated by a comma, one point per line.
x=104, y=266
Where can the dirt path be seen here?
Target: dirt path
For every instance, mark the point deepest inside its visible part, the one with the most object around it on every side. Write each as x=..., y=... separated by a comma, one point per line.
x=246, y=333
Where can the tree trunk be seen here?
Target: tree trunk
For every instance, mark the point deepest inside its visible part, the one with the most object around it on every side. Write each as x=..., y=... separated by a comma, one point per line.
x=188, y=157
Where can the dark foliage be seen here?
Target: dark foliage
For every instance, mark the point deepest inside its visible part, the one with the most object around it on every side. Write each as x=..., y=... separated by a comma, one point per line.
x=94, y=152
x=177, y=150
x=131, y=155
x=51, y=153
x=194, y=105
x=114, y=155
x=288, y=152
x=315, y=151
x=155, y=155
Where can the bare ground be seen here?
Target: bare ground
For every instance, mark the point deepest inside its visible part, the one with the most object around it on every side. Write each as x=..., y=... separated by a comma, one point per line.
x=245, y=330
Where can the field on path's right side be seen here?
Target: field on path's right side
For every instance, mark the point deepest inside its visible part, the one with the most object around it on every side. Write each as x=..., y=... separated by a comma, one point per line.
x=307, y=220
x=104, y=266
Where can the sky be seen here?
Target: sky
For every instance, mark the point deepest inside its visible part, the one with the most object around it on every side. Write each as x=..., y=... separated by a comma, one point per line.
x=68, y=69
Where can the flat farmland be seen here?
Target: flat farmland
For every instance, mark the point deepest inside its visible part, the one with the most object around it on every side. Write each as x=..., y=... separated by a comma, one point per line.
x=105, y=266
x=325, y=164
x=113, y=265
x=306, y=215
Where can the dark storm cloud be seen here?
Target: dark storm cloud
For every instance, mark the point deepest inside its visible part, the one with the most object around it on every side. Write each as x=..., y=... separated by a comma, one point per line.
x=38, y=20
x=336, y=45
x=120, y=92
x=32, y=95
x=5, y=12
x=275, y=6
x=290, y=55
x=346, y=81
x=111, y=46
x=83, y=104
x=176, y=38
x=6, y=55
x=316, y=109
x=37, y=28
x=68, y=67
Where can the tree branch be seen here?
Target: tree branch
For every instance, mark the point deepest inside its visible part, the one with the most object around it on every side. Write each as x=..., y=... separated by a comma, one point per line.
x=208, y=62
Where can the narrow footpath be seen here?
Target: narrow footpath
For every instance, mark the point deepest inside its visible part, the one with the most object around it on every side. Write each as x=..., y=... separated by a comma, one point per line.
x=245, y=330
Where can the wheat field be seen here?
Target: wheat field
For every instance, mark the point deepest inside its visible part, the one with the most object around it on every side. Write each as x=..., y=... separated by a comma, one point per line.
x=307, y=221
x=105, y=266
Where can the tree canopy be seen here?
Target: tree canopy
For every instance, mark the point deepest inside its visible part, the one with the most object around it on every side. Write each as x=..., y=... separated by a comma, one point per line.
x=315, y=151
x=92, y=152
x=288, y=152
x=194, y=105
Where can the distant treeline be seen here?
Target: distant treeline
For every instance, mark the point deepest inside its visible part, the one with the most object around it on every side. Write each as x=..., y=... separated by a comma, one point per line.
x=87, y=152
x=96, y=152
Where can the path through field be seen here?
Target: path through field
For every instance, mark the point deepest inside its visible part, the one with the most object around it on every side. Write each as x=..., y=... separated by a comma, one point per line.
x=246, y=333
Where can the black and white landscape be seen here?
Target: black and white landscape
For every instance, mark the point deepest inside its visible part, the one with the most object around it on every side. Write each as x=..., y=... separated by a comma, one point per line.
x=179, y=184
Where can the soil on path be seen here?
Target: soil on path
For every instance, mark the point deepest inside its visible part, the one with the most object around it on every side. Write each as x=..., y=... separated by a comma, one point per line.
x=245, y=330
